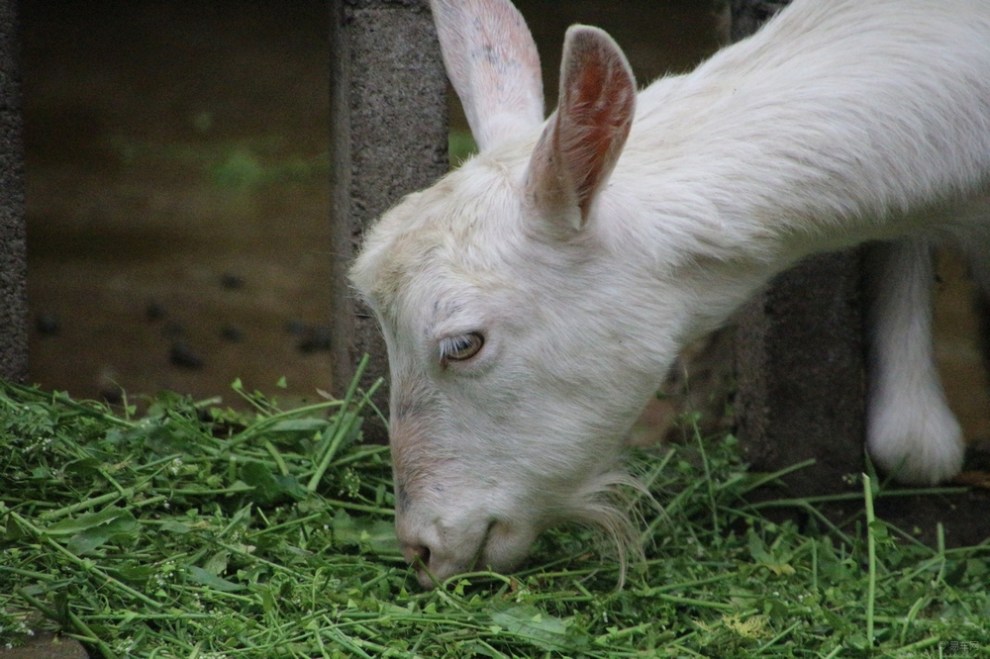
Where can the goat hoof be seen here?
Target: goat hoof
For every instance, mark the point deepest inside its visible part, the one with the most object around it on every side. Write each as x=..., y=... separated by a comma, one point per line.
x=920, y=444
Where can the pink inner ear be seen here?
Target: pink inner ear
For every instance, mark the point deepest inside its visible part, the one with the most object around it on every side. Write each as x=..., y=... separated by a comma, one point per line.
x=582, y=142
x=601, y=114
x=598, y=97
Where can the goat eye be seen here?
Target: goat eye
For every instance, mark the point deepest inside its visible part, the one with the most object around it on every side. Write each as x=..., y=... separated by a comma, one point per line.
x=461, y=348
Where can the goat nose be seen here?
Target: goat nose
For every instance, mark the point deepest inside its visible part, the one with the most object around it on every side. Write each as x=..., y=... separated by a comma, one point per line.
x=418, y=556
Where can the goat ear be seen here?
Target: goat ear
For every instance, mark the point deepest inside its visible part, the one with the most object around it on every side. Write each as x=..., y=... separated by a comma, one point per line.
x=492, y=62
x=583, y=139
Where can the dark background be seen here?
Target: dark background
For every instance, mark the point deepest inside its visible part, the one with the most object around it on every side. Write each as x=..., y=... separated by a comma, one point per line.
x=177, y=197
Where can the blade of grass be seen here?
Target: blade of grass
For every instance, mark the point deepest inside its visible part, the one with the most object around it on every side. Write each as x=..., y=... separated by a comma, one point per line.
x=709, y=483
x=89, y=636
x=871, y=554
x=86, y=565
x=108, y=498
x=343, y=424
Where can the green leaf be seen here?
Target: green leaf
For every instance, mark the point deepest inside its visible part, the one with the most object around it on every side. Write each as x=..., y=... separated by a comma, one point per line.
x=299, y=425
x=762, y=556
x=136, y=573
x=210, y=580
x=378, y=535
x=89, y=521
x=268, y=486
x=536, y=626
x=175, y=527
x=92, y=530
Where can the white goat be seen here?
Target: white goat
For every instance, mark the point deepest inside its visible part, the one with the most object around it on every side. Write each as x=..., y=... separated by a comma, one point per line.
x=533, y=299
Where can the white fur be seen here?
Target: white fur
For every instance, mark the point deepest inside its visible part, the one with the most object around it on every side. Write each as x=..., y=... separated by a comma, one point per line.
x=587, y=259
x=911, y=431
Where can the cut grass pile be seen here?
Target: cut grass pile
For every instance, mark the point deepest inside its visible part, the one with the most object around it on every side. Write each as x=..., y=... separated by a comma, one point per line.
x=196, y=531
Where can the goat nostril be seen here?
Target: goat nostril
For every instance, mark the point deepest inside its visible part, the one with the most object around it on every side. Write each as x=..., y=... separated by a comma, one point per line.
x=418, y=556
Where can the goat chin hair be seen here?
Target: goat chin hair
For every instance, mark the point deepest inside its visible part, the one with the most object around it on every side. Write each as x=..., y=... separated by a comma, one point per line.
x=611, y=506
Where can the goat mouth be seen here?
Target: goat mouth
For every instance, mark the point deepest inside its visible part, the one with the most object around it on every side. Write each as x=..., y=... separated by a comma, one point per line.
x=480, y=561
x=433, y=572
x=505, y=546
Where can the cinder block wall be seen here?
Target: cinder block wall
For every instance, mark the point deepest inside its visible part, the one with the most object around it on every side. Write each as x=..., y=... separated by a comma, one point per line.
x=801, y=376
x=388, y=137
x=13, y=258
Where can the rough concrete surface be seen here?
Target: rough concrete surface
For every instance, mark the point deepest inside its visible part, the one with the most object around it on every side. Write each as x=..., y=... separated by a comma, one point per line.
x=749, y=15
x=801, y=377
x=13, y=253
x=177, y=197
x=388, y=137
x=47, y=646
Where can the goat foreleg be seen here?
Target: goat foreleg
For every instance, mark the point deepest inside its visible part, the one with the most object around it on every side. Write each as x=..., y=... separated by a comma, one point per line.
x=911, y=432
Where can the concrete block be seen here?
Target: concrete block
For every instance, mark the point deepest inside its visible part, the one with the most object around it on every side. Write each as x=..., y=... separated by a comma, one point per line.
x=388, y=136
x=13, y=250
x=749, y=15
x=45, y=645
x=801, y=377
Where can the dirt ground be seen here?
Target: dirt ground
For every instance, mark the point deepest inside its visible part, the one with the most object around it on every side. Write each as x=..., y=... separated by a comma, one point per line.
x=177, y=191
x=177, y=195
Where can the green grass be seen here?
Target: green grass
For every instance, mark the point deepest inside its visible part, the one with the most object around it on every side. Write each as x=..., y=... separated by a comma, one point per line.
x=233, y=165
x=249, y=164
x=198, y=531
x=460, y=146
